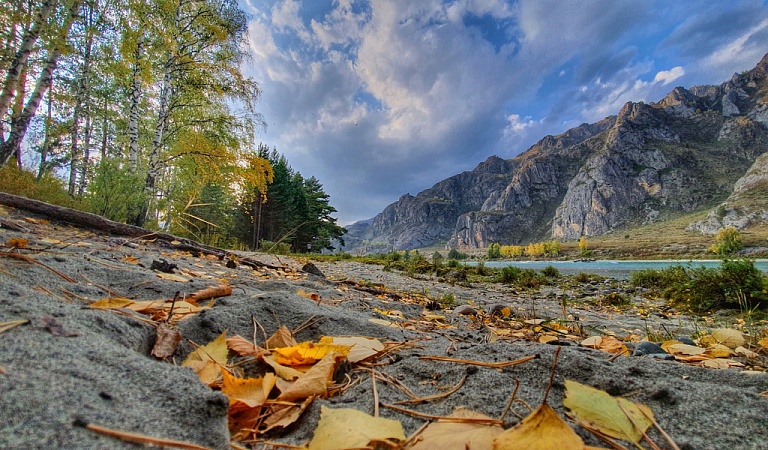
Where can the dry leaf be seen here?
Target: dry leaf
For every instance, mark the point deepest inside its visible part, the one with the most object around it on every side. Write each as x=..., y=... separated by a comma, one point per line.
x=345, y=428
x=678, y=348
x=252, y=392
x=282, y=338
x=172, y=277
x=719, y=351
x=720, y=363
x=210, y=292
x=361, y=347
x=314, y=382
x=606, y=413
x=111, y=303
x=741, y=351
x=310, y=295
x=726, y=336
x=307, y=353
x=547, y=338
x=386, y=323
x=284, y=372
x=543, y=429
x=166, y=342
x=608, y=344
x=283, y=415
x=5, y=326
x=131, y=259
x=243, y=347
x=458, y=435
x=17, y=242
x=208, y=359
x=763, y=342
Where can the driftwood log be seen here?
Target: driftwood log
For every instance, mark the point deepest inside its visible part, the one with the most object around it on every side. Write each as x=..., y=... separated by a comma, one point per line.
x=95, y=222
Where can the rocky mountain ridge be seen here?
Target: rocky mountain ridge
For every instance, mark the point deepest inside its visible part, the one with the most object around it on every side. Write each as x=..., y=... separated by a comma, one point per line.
x=648, y=163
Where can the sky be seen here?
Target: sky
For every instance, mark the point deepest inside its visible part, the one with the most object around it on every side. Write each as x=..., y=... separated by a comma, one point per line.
x=381, y=98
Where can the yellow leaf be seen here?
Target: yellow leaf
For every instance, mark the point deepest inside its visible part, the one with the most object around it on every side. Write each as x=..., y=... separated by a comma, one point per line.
x=5, y=326
x=547, y=338
x=282, y=338
x=250, y=391
x=763, y=342
x=172, y=277
x=741, y=351
x=360, y=347
x=610, y=415
x=208, y=359
x=386, y=323
x=720, y=363
x=684, y=349
x=345, y=428
x=307, y=353
x=543, y=429
x=458, y=435
x=284, y=372
x=726, y=336
x=111, y=303
x=719, y=351
x=314, y=382
x=131, y=259
x=608, y=344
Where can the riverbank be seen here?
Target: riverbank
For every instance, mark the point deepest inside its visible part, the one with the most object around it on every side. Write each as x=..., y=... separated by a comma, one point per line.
x=66, y=364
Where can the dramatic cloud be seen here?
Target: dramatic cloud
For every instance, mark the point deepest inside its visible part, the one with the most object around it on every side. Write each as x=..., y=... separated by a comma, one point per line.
x=379, y=99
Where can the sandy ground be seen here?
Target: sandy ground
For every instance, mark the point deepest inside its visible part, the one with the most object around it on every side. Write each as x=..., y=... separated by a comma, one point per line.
x=70, y=365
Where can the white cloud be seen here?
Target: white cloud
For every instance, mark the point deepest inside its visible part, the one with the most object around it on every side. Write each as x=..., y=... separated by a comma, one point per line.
x=668, y=76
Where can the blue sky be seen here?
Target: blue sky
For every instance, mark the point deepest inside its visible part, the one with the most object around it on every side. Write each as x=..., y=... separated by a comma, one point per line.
x=381, y=98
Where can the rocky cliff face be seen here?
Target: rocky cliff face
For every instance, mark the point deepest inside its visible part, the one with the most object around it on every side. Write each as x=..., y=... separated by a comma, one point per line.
x=649, y=162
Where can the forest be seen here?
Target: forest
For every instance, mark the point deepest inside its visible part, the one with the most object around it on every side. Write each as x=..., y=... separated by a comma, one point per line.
x=139, y=111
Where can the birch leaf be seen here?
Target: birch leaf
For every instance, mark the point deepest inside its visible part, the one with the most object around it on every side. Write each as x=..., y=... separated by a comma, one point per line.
x=166, y=342
x=457, y=435
x=543, y=429
x=252, y=392
x=111, y=303
x=346, y=428
x=314, y=382
x=282, y=338
x=208, y=359
x=360, y=347
x=606, y=413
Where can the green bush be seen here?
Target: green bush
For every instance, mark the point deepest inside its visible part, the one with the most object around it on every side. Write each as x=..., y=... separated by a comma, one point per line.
x=493, y=251
x=727, y=242
x=48, y=188
x=453, y=264
x=659, y=279
x=550, y=272
x=509, y=275
x=480, y=269
x=455, y=254
x=278, y=248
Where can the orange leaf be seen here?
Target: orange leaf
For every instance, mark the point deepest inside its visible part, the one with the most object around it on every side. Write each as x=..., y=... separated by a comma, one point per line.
x=252, y=392
x=307, y=353
x=111, y=303
x=18, y=242
x=210, y=292
x=315, y=382
x=243, y=347
x=282, y=338
x=131, y=259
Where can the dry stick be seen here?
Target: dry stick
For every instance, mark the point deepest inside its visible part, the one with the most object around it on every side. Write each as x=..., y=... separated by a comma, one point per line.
x=142, y=439
x=375, y=395
x=263, y=332
x=400, y=386
x=671, y=442
x=653, y=445
x=414, y=435
x=437, y=396
x=173, y=304
x=602, y=436
x=482, y=421
x=498, y=365
x=552, y=375
x=511, y=400
x=29, y=259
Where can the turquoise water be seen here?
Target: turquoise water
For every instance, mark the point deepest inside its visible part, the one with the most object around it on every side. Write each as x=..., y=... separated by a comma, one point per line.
x=616, y=269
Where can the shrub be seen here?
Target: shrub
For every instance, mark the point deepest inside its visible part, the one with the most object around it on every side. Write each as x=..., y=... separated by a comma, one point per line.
x=727, y=242
x=480, y=269
x=493, y=251
x=453, y=264
x=509, y=275
x=659, y=279
x=455, y=254
x=437, y=259
x=278, y=248
x=48, y=188
x=550, y=272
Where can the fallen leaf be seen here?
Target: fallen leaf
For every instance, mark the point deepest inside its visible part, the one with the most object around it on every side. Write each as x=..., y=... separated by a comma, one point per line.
x=5, y=326
x=741, y=351
x=208, y=359
x=243, y=347
x=166, y=342
x=17, y=242
x=763, y=342
x=314, y=382
x=283, y=415
x=56, y=328
x=543, y=429
x=252, y=392
x=678, y=348
x=172, y=277
x=210, y=292
x=608, y=344
x=282, y=338
x=547, y=338
x=307, y=353
x=310, y=295
x=284, y=372
x=360, y=347
x=131, y=259
x=726, y=336
x=719, y=351
x=345, y=428
x=458, y=435
x=386, y=323
x=720, y=363
x=111, y=303
x=606, y=413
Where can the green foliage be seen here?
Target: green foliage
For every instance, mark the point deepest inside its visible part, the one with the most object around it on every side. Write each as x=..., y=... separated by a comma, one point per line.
x=453, y=264
x=550, y=272
x=437, y=259
x=455, y=254
x=521, y=277
x=447, y=300
x=116, y=192
x=48, y=188
x=727, y=242
x=615, y=299
x=509, y=274
x=583, y=277
x=480, y=269
x=735, y=284
x=278, y=248
x=493, y=251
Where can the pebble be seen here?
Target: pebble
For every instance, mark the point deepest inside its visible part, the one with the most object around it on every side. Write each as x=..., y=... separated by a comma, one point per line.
x=648, y=348
x=465, y=310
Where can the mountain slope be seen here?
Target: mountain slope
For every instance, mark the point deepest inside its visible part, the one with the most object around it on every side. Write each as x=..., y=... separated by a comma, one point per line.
x=649, y=162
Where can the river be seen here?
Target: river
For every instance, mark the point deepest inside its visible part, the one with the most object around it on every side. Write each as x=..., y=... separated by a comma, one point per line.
x=611, y=268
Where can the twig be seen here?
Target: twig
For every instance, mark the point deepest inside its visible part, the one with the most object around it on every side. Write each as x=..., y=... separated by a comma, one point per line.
x=307, y=323
x=375, y=395
x=602, y=436
x=414, y=435
x=487, y=421
x=437, y=396
x=511, y=400
x=400, y=386
x=552, y=375
x=671, y=442
x=143, y=439
x=653, y=445
x=173, y=304
x=263, y=332
x=29, y=259
x=497, y=365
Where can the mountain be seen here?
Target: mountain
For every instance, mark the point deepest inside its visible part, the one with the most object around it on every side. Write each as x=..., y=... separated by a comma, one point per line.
x=696, y=149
